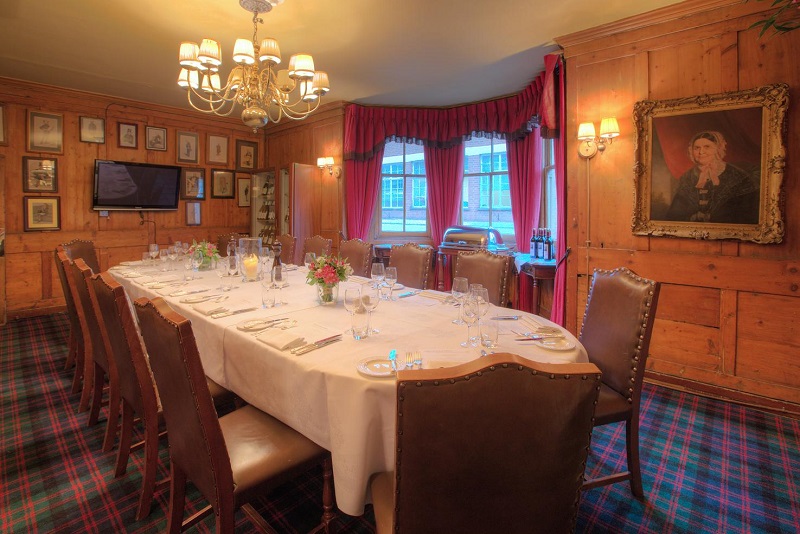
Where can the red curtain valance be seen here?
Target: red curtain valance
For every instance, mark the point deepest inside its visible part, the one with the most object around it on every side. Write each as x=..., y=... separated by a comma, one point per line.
x=512, y=117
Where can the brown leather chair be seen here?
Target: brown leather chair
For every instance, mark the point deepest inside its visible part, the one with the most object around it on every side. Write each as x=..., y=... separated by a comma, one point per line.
x=414, y=264
x=318, y=245
x=617, y=326
x=75, y=353
x=358, y=254
x=229, y=459
x=222, y=242
x=80, y=248
x=287, y=243
x=493, y=271
x=495, y=445
x=97, y=365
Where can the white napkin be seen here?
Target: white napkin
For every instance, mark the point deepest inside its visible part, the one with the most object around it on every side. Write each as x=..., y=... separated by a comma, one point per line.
x=282, y=339
x=207, y=308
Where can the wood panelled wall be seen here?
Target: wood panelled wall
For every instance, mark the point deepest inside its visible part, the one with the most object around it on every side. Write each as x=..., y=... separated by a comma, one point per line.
x=31, y=285
x=321, y=134
x=728, y=322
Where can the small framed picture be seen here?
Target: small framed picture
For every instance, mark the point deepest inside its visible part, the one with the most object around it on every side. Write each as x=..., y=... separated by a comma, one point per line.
x=193, y=214
x=192, y=184
x=3, y=130
x=246, y=155
x=128, y=137
x=93, y=130
x=42, y=213
x=243, y=186
x=217, y=149
x=39, y=175
x=156, y=138
x=222, y=184
x=187, y=148
x=45, y=132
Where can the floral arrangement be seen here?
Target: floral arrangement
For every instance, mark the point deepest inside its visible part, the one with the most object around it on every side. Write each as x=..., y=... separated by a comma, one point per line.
x=328, y=271
x=207, y=250
x=785, y=19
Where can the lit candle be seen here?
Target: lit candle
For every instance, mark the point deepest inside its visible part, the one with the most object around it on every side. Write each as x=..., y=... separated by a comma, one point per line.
x=250, y=263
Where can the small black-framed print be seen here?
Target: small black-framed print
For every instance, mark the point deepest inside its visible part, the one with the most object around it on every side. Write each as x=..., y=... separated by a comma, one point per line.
x=193, y=184
x=155, y=138
x=188, y=150
x=128, y=137
x=243, y=187
x=42, y=213
x=193, y=214
x=93, y=130
x=3, y=129
x=217, y=149
x=39, y=175
x=45, y=132
x=222, y=184
x=246, y=155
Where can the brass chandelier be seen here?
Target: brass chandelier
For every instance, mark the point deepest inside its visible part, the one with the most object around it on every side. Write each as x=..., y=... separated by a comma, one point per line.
x=265, y=93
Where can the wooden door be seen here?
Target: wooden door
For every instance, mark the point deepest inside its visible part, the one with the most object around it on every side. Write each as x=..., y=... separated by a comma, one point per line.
x=305, y=202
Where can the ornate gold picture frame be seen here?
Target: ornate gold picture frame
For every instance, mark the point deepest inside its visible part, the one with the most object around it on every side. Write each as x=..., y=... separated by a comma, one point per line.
x=711, y=166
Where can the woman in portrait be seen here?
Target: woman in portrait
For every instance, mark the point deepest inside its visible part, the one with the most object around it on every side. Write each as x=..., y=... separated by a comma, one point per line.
x=714, y=191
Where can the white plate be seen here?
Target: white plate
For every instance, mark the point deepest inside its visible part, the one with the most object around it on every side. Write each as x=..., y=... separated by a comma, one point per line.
x=397, y=287
x=253, y=325
x=131, y=263
x=555, y=344
x=376, y=368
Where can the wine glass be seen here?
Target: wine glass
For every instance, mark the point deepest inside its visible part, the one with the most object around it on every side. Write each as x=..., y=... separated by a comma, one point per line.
x=185, y=247
x=378, y=273
x=163, y=255
x=370, y=297
x=188, y=260
x=280, y=279
x=309, y=258
x=230, y=250
x=481, y=295
x=222, y=270
x=172, y=254
x=470, y=314
x=391, y=279
x=267, y=260
x=197, y=260
x=152, y=248
x=459, y=290
x=352, y=303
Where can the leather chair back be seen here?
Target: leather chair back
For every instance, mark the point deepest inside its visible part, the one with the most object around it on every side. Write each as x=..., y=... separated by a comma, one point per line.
x=617, y=326
x=414, y=264
x=498, y=444
x=80, y=248
x=318, y=245
x=93, y=340
x=358, y=254
x=493, y=271
x=287, y=243
x=195, y=437
x=62, y=260
x=222, y=242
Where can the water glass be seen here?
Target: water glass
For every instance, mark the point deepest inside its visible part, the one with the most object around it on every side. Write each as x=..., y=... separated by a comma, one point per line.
x=163, y=255
x=370, y=297
x=153, y=249
x=391, y=279
x=470, y=315
x=309, y=258
x=172, y=254
x=377, y=274
x=490, y=331
x=359, y=322
x=459, y=289
x=267, y=294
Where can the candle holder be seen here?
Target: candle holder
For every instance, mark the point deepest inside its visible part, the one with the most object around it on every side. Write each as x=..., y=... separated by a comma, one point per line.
x=249, y=253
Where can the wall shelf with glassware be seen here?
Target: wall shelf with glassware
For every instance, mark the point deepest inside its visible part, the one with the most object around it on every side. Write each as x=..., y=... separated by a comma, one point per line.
x=264, y=216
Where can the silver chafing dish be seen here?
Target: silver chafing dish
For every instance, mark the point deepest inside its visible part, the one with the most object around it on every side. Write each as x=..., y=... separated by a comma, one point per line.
x=471, y=238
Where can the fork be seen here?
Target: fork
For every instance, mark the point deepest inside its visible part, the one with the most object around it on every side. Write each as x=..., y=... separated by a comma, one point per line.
x=418, y=359
x=410, y=360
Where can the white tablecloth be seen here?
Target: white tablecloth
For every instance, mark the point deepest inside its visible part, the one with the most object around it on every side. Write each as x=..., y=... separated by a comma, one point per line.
x=321, y=394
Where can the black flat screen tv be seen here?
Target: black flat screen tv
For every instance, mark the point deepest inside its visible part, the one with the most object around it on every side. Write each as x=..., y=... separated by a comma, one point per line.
x=122, y=185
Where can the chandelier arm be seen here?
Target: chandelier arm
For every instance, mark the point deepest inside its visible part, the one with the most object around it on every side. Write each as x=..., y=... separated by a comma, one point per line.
x=213, y=106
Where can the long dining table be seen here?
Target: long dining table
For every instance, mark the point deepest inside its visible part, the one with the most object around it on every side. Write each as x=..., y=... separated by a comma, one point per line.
x=323, y=394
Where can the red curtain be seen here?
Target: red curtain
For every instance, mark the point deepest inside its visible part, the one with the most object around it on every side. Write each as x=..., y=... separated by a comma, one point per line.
x=444, y=168
x=553, y=63
x=525, y=183
x=363, y=188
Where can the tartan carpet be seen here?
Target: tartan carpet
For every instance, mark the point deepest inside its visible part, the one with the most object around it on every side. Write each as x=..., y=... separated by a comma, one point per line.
x=707, y=465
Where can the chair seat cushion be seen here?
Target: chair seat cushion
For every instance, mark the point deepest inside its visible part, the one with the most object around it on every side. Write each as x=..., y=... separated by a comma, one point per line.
x=261, y=448
x=219, y=393
x=611, y=407
x=382, y=488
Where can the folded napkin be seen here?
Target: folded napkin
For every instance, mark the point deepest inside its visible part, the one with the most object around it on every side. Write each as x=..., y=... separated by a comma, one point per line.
x=436, y=295
x=207, y=308
x=282, y=339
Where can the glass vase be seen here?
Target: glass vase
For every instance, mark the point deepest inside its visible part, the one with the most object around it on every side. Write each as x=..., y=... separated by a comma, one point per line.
x=327, y=294
x=249, y=256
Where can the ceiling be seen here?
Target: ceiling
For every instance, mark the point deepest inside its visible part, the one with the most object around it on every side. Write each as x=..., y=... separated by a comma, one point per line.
x=380, y=52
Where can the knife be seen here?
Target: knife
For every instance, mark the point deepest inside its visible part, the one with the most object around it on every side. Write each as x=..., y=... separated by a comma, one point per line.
x=316, y=344
x=183, y=292
x=505, y=317
x=536, y=337
x=234, y=312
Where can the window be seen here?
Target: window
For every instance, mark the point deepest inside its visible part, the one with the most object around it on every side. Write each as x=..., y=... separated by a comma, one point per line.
x=486, y=200
x=404, y=190
x=550, y=201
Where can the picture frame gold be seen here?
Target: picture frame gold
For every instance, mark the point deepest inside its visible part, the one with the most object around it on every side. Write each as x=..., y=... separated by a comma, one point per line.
x=711, y=166
x=45, y=132
x=39, y=175
x=42, y=213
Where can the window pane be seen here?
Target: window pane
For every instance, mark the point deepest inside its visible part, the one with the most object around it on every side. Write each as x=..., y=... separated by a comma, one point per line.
x=486, y=179
x=404, y=190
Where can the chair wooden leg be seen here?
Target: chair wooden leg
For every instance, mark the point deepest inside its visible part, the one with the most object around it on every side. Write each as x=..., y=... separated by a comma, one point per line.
x=98, y=379
x=327, y=497
x=73, y=348
x=150, y=464
x=88, y=380
x=632, y=449
x=124, y=439
x=177, y=498
x=78, y=376
x=112, y=423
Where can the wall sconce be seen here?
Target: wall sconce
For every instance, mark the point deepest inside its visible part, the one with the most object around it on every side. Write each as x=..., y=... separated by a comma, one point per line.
x=590, y=143
x=327, y=163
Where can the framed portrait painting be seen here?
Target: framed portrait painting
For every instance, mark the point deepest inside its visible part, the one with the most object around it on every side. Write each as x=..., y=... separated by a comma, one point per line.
x=45, y=132
x=187, y=149
x=222, y=184
x=39, y=175
x=93, y=130
x=42, y=213
x=193, y=214
x=155, y=138
x=128, y=135
x=246, y=155
x=217, y=149
x=192, y=184
x=243, y=188
x=711, y=166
